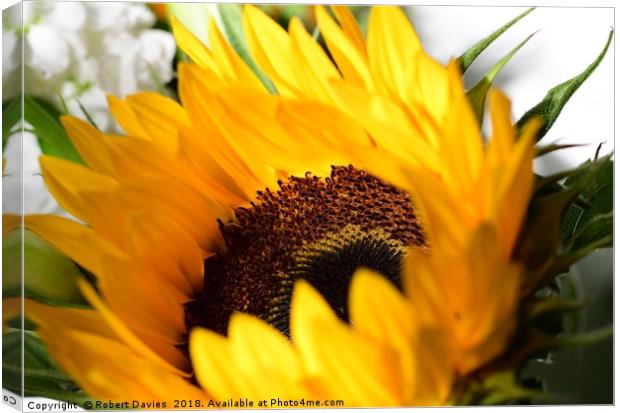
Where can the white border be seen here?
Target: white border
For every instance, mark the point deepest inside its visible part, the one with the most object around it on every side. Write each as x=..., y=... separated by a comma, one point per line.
x=501, y=3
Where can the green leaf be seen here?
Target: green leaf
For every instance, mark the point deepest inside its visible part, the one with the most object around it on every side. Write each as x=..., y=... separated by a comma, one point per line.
x=42, y=378
x=11, y=114
x=592, y=219
x=48, y=275
x=599, y=227
x=562, y=263
x=552, y=104
x=477, y=95
x=473, y=52
x=542, y=236
x=231, y=17
x=52, y=137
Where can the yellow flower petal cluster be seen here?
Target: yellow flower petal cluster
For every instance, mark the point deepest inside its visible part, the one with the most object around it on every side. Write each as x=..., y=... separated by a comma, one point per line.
x=472, y=209
x=382, y=359
x=387, y=83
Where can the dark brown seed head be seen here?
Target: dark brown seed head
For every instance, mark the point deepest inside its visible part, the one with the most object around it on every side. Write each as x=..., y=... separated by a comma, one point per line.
x=320, y=230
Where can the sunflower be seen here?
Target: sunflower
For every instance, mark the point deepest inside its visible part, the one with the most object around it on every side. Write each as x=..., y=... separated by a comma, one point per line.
x=223, y=268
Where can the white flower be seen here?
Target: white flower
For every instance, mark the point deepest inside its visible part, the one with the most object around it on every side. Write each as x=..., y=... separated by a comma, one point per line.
x=156, y=49
x=47, y=51
x=119, y=16
x=82, y=51
x=36, y=197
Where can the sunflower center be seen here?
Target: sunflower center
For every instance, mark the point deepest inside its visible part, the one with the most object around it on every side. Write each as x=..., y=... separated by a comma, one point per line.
x=319, y=230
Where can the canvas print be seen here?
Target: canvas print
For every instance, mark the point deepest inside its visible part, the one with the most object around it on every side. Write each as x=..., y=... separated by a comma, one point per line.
x=210, y=206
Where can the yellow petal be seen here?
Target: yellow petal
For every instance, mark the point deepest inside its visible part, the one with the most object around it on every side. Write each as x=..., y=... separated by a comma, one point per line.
x=123, y=333
x=211, y=119
x=267, y=358
x=461, y=141
x=229, y=62
x=160, y=304
x=196, y=213
x=192, y=46
x=516, y=187
x=258, y=346
x=270, y=47
x=307, y=306
x=218, y=181
x=392, y=46
x=126, y=118
x=311, y=66
x=485, y=333
x=350, y=27
x=211, y=358
x=433, y=367
x=438, y=210
x=73, y=239
x=137, y=159
x=110, y=370
x=503, y=131
x=379, y=310
x=160, y=118
x=67, y=181
x=54, y=318
x=388, y=124
x=423, y=283
x=163, y=246
x=358, y=370
x=89, y=143
x=428, y=95
x=347, y=55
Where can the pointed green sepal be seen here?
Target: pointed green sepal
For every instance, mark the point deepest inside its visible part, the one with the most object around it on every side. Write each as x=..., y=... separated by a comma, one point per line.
x=552, y=104
x=553, y=147
x=473, y=52
x=555, y=304
x=584, y=339
x=85, y=112
x=477, y=95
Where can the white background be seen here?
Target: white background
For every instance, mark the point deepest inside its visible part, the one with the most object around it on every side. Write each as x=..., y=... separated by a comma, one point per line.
x=569, y=40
